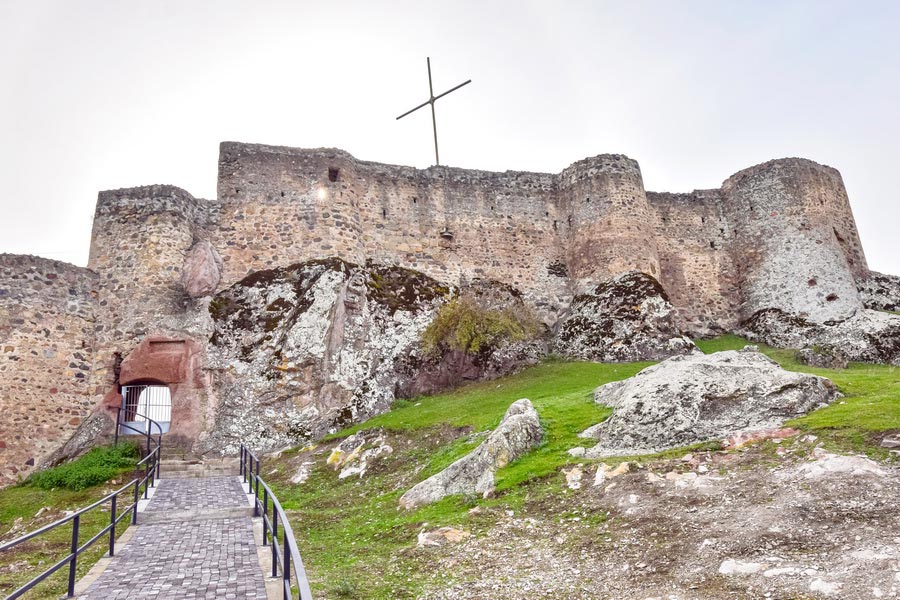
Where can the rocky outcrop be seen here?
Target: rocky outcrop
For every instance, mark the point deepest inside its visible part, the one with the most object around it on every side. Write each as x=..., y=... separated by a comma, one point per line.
x=868, y=336
x=202, y=270
x=697, y=398
x=880, y=292
x=518, y=432
x=625, y=318
x=303, y=350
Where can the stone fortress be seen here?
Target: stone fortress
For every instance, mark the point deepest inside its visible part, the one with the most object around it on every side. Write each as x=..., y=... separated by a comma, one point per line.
x=779, y=236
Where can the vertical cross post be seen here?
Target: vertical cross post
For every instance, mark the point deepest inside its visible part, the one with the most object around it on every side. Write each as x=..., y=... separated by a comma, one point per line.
x=431, y=100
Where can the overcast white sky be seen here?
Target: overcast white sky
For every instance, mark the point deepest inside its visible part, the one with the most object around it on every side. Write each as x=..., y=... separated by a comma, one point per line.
x=106, y=94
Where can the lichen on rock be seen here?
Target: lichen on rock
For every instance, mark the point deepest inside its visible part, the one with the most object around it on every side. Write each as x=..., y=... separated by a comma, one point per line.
x=302, y=350
x=690, y=399
x=518, y=432
x=625, y=318
x=867, y=336
x=880, y=292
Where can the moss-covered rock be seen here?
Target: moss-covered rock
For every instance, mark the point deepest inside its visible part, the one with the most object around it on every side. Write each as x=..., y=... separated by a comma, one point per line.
x=625, y=318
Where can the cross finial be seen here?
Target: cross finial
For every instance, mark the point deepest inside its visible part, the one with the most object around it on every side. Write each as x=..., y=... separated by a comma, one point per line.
x=431, y=100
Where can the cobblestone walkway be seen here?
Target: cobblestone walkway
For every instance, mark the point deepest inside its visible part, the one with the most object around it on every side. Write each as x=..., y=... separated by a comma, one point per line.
x=203, y=558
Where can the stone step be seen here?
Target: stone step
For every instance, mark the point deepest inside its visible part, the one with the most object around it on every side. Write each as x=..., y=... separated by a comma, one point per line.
x=177, y=469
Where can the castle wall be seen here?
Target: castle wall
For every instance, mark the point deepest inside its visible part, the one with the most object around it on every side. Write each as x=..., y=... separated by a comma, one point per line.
x=778, y=235
x=786, y=216
x=277, y=206
x=696, y=268
x=280, y=205
x=47, y=321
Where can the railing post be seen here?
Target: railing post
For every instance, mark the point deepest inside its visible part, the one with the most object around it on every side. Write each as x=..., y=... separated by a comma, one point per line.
x=241, y=468
x=256, y=490
x=73, y=563
x=265, y=512
x=286, y=566
x=146, y=478
x=112, y=526
x=274, y=545
x=158, y=455
x=137, y=494
x=118, y=416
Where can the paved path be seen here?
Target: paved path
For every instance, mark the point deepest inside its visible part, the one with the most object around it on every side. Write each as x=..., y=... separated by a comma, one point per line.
x=195, y=540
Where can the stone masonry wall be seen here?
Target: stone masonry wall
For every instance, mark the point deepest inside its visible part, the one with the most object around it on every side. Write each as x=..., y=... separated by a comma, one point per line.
x=138, y=246
x=795, y=243
x=47, y=320
x=696, y=268
x=283, y=205
x=610, y=226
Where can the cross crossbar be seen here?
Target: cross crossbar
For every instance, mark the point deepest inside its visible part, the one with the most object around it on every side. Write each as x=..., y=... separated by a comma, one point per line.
x=431, y=100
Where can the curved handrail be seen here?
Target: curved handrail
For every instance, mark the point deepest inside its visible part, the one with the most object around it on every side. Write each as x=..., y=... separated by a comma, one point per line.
x=148, y=434
x=150, y=463
x=286, y=555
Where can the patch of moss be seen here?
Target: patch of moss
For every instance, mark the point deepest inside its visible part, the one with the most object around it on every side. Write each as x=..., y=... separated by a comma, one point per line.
x=399, y=288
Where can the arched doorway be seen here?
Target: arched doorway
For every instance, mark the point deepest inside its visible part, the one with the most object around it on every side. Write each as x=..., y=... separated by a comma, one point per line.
x=145, y=401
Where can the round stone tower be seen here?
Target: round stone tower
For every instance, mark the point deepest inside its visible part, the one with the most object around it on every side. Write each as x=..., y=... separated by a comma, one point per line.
x=609, y=220
x=795, y=242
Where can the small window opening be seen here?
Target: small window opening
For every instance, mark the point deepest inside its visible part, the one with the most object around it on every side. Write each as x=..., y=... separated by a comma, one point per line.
x=333, y=173
x=812, y=282
x=831, y=297
x=384, y=213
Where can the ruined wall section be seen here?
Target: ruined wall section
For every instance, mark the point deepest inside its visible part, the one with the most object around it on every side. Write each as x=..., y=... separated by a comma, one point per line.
x=696, y=268
x=458, y=225
x=609, y=225
x=277, y=206
x=47, y=321
x=786, y=216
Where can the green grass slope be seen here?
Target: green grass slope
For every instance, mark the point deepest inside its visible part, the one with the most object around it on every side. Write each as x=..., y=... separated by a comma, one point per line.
x=45, y=497
x=357, y=542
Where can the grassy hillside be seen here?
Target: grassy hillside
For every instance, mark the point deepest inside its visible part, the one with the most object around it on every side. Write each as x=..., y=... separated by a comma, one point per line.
x=357, y=543
x=45, y=497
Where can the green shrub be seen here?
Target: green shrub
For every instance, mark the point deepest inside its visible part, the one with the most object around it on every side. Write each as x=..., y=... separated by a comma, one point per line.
x=462, y=324
x=97, y=466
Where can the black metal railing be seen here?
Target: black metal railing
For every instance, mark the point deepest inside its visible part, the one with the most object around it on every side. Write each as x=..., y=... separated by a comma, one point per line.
x=148, y=435
x=284, y=554
x=150, y=464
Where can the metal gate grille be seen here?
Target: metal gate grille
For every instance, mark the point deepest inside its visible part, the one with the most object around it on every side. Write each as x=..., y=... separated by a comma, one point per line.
x=147, y=401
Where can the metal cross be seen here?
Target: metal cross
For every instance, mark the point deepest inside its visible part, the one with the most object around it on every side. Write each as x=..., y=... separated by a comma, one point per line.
x=431, y=101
